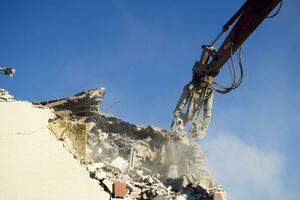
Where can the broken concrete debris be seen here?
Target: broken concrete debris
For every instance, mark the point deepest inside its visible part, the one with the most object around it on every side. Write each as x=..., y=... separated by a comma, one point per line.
x=74, y=135
x=83, y=104
x=119, y=163
x=130, y=161
x=5, y=96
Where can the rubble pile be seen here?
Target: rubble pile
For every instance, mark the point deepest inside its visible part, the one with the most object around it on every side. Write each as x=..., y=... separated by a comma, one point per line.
x=130, y=161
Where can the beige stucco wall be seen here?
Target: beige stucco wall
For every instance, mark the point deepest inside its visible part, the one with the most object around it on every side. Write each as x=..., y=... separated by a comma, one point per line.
x=34, y=165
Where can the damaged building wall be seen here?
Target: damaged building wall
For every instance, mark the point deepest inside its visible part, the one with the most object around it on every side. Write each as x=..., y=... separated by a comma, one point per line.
x=84, y=104
x=74, y=135
x=34, y=165
x=150, y=161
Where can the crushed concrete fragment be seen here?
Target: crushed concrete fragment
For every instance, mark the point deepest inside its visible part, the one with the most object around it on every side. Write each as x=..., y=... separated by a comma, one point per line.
x=100, y=175
x=5, y=96
x=119, y=163
x=173, y=173
x=182, y=197
x=95, y=166
x=85, y=103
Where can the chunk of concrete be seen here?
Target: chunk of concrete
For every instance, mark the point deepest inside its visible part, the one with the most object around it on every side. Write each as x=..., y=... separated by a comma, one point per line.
x=173, y=172
x=134, y=191
x=119, y=163
x=95, y=166
x=100, y=175
x=5, y=96
x=182, y=197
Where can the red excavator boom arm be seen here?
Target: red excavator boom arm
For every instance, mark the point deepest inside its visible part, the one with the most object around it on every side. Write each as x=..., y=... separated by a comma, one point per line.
x=197, y=95
x=247, y=18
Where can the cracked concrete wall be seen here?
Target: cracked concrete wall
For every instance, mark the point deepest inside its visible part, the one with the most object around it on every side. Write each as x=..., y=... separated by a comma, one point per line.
x=33, y=164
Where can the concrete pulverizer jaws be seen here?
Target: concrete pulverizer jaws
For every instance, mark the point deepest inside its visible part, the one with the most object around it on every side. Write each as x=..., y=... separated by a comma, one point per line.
x=195, y=102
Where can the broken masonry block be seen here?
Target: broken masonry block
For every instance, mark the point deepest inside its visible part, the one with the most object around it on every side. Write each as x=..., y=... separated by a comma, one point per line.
x=217, y=196
x=119, y=189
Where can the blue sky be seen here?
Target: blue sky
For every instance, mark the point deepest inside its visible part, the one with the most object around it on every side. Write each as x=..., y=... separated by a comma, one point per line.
x=142, y=52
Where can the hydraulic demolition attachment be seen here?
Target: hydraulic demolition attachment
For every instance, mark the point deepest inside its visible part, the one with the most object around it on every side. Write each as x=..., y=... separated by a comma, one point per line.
x=197, y=95
x=7, y=71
